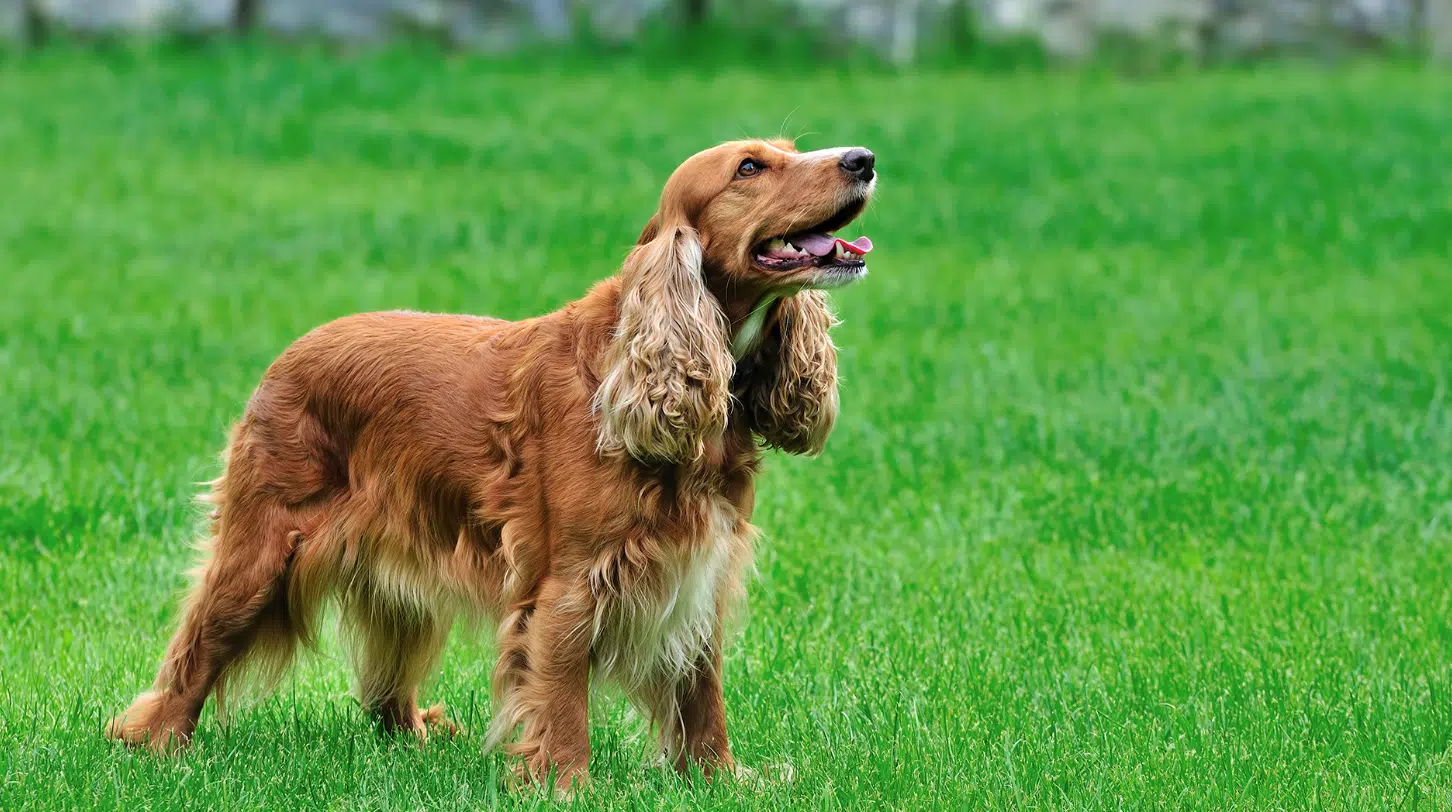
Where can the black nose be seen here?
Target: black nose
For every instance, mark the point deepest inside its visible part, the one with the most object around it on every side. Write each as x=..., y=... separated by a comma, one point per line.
x=859, y=164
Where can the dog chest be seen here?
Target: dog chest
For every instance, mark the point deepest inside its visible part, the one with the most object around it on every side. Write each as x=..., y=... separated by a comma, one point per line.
x=660, y=625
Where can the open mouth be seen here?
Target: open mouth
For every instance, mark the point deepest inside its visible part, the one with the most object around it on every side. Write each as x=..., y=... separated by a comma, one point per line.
x=815, y=247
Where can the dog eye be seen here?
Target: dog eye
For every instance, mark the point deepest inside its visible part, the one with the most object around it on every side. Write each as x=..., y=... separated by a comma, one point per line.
x=748, y=168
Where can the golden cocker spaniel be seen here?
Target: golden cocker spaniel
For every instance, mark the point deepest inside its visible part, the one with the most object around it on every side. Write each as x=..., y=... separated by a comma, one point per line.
x=585, y=478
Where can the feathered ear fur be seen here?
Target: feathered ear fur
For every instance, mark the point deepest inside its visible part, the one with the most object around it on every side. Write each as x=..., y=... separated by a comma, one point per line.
x=666, y=388
x=791, y=396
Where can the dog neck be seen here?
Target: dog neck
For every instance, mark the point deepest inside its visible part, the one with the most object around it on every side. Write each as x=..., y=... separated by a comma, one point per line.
x=748, y=334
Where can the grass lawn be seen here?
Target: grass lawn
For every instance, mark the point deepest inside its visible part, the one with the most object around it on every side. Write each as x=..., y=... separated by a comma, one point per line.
x=1141, y=496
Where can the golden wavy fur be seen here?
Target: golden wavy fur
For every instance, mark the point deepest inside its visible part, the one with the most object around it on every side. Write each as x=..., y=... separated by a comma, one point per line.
x=584, y=478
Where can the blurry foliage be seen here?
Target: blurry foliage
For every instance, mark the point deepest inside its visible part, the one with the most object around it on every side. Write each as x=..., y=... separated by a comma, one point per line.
x=761, y=34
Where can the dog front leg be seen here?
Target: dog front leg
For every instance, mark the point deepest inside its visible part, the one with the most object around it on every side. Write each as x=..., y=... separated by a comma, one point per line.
x=702, y=733
x=545, y=657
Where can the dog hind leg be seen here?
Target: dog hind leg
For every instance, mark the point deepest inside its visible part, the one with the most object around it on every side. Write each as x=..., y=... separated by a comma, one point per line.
x=395, y=648
x=236, y=611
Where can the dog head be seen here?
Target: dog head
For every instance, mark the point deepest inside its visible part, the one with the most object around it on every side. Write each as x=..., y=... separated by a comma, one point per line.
x=740, y=226
x=765, y=215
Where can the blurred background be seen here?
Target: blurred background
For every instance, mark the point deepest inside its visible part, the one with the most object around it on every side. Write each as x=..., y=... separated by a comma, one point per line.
x=901, y=32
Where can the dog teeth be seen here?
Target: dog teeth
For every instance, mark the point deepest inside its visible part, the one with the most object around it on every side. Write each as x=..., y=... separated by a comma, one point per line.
x=779, y=247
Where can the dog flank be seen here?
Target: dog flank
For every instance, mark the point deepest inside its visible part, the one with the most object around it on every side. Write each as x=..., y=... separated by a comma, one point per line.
x=583, y=479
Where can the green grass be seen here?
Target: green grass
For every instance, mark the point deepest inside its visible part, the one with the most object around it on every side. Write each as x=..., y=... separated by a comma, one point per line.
x=1141, y=496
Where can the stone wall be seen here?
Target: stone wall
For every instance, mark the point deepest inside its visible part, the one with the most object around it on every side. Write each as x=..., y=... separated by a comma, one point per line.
x=897, y=28
x=12, y=20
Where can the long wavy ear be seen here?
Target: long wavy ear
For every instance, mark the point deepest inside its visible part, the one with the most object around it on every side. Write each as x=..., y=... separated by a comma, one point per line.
x=791, y=396
x=666, y=389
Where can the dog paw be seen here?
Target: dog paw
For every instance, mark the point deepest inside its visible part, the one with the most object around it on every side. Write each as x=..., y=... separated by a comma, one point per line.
x=144, y=726
x=539, y=774
x=435, y=720
x=406, y=719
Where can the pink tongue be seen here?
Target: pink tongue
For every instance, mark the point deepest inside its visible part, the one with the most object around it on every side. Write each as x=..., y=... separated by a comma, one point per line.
x=820, y=245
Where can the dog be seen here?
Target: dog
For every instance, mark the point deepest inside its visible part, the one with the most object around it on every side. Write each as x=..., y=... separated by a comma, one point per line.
x=583, y=478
